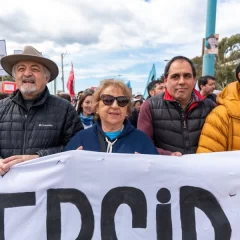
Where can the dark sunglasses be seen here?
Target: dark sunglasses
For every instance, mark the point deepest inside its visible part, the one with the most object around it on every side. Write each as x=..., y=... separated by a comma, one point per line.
x=108, y=100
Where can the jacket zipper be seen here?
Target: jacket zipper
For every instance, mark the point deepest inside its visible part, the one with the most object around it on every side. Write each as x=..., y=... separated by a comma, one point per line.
x=24, y=135
x=184, y=117
x=184, y=124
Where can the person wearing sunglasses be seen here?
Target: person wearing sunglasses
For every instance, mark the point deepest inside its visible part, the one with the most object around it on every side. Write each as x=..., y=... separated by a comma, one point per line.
x=112, y=132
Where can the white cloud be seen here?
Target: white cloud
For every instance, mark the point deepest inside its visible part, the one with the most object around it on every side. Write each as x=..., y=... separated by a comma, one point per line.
x=92, y=31
x=227, y=15
x=109, y=25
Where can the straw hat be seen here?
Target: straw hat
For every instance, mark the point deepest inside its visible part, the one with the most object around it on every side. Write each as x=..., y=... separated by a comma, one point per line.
x=29, y=54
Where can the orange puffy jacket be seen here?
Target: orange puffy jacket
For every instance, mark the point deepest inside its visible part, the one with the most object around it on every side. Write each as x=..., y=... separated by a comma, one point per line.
x=221, y=130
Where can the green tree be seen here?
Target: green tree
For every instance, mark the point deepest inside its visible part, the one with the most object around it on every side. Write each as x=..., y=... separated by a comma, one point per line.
x=226, y=61
x=8, y=78
x=198, y=65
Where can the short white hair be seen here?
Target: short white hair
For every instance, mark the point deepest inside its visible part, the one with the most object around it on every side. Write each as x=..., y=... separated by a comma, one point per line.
x=47, y=73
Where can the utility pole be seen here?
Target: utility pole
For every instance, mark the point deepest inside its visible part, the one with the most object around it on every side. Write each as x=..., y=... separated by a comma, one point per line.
x=55, y=86
x=209, y=59
x=62, y=56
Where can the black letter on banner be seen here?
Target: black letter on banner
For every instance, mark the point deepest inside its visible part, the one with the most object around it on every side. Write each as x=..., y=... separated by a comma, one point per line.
x=191, y=197
x=163, y=215
x=134, y=198
x=57, y=196
x=11, y=200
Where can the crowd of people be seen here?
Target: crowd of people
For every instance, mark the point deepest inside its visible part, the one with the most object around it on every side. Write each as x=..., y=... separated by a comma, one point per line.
x=175, y=119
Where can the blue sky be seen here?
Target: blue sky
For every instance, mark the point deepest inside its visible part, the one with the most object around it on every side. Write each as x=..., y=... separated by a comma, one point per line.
x=112, y=38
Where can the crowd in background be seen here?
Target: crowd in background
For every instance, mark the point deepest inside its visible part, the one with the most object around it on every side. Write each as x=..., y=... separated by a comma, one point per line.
x=83, y=101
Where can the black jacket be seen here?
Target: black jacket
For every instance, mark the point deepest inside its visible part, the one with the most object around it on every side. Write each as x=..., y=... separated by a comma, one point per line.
x=175, y=130
x=133, y=118
x=212, y=97
x=44, y=129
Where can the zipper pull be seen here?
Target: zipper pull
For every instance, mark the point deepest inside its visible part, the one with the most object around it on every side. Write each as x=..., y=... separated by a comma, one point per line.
x=184, y=124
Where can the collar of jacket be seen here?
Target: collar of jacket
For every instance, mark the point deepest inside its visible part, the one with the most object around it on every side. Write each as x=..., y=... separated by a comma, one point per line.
x=128, y=128
x=230, y=98
x=18, y=99
x=197, y=97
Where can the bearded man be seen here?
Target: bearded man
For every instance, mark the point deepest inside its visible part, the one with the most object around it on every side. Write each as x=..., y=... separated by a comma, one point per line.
x=33, y=123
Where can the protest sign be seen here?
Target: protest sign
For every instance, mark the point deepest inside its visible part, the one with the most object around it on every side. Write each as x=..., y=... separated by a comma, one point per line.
x=89, y=195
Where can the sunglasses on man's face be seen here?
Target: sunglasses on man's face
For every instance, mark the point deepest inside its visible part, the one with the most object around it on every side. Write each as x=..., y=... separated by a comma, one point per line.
x=108, y=100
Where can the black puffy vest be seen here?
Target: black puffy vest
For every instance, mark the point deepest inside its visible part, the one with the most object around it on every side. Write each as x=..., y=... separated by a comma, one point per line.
x=170, y=130
x=43, y=129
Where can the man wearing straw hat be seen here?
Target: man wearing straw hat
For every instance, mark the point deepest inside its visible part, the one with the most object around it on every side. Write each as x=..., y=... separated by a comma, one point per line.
x=33, y=123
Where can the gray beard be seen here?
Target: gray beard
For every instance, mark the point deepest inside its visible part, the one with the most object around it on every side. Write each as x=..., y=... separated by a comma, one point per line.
x=28, y=88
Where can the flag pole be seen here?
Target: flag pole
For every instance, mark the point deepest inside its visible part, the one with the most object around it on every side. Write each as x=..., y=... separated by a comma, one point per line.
x=73, y=81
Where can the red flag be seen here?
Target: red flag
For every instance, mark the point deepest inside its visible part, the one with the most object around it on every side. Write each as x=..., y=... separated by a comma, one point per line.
x=70, y=83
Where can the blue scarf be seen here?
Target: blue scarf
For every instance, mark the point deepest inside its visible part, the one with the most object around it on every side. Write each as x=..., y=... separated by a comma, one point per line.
x=86, y=120
x=112, y=135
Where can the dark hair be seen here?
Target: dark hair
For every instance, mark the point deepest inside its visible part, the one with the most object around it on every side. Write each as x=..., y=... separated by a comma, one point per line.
x=79, y=94
x=211, y=36
x=204, y=80
x=89, y=90
x=166, y=71
x=237, y=72
x=85, y=94
x=152, y=84
x=64, y=96
x=161, y=79
x=138, y=100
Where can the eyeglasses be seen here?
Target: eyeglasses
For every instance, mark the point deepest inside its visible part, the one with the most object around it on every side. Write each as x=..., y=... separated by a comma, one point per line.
x=108, y=100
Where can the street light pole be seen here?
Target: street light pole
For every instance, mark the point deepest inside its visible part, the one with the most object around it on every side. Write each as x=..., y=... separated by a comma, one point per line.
x=62, y=56
x=209, y=59
x=55, y=86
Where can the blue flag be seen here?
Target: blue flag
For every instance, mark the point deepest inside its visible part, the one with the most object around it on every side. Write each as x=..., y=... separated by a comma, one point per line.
x=128, y=84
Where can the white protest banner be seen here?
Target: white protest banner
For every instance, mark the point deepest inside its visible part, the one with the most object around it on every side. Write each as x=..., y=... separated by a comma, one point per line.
x=3, y=52
x=89, y=195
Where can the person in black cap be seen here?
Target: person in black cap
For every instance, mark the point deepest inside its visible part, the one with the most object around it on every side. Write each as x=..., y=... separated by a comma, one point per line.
x=33, y=123
x=221, y=131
